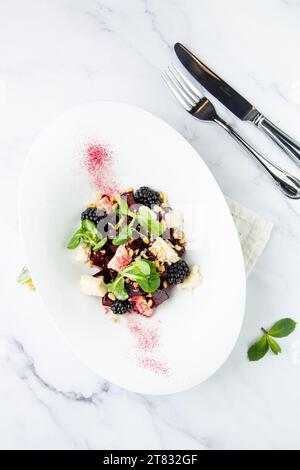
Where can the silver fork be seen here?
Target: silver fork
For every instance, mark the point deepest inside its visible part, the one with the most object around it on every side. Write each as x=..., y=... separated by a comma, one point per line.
x=201, y=108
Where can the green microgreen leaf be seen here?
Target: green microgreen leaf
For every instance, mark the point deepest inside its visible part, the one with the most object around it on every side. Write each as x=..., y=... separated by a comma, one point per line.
x=100, y=244
x=149, y=285
x=124, y=209
x=152, y=282
x=147, y=218
x=274, y=346
x=124, y=235
x=121, y=221
x=89, y=234
x=141, y=267
x=282, y=328
x=75, y=240
x=117, y=288
x=142, y=271
x=90, y=229
x=259, y=349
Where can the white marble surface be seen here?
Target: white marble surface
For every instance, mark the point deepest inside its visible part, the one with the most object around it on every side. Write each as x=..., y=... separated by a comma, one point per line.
x=56, y=54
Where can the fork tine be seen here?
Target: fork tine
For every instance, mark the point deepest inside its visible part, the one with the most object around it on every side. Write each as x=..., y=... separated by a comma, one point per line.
x=187, y=96
x=176, y=92
x=188, y=83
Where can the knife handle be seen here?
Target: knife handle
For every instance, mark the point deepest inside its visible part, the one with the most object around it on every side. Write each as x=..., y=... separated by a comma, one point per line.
x=287, y=143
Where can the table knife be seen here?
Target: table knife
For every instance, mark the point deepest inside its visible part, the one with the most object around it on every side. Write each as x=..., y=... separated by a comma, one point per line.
x=233, y=101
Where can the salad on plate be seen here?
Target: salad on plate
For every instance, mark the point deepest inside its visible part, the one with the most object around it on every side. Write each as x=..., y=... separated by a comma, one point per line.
x=136, y=242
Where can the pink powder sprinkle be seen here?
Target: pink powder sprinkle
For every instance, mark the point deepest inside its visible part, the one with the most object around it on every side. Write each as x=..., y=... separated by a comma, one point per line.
x=156, y=366
x=147, y=338
x=98, y=163
x=147, y=342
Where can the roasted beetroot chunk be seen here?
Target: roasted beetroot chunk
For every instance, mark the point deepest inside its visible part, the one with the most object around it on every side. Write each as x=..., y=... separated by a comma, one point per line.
x=109, y=275
x=134, y=291
x=163, y=278
x=129, y=198
x=98, y=258
x=136, y=244
x=159, y=296
x=181, y=252
x=150, y=255
x=106, y=301
x=110, y=250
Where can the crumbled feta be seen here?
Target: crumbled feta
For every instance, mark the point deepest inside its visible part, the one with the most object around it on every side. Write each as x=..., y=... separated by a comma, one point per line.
x=93, y=285
x=157, y=209
x=163, y=251
x=82, y=253
x=174, y=219
x=178, y=233
x=193, y=280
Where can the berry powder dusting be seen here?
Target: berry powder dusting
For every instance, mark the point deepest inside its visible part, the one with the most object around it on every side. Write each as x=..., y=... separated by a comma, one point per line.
x=147, y=343
x=99, y=165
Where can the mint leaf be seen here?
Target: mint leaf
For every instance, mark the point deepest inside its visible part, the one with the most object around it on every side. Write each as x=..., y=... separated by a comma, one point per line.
x=75, y=240
x=274, y=346
x=100, y=244
x=259, y=349
x=282, y=328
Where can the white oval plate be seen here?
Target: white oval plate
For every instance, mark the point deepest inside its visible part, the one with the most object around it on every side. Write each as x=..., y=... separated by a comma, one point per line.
x=192, y=333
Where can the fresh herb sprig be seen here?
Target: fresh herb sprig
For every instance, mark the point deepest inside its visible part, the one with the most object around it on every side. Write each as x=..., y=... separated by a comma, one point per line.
x=141, y=271
x=89, y=234
x=144, y=216
x=280, y=329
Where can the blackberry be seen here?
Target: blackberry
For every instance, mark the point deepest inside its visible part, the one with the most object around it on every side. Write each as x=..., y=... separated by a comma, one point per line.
x=147, y=196
x=177, y=272
x=92, y=214
x=120, y=306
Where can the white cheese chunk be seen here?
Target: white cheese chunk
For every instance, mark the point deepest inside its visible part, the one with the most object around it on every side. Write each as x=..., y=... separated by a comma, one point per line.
x=163, y=251
x=193, y=280
x=90, y=285
x=174, y=220
x=82, y=253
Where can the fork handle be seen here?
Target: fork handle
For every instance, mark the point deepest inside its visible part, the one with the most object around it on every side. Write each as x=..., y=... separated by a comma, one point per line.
x=289, y=184
x=287, y=143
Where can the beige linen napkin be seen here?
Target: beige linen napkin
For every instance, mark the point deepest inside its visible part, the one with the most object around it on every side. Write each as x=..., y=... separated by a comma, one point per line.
x=254, y=232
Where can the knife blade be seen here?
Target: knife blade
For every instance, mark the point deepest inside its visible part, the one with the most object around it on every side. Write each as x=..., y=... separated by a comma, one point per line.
x=235, y=102
x=231, y=99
